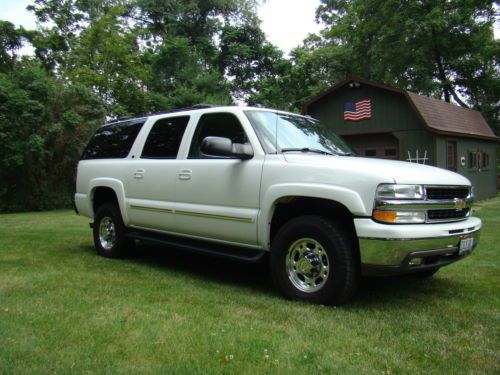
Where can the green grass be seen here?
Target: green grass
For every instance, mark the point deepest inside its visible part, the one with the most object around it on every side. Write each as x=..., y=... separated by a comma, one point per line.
x=63, y=309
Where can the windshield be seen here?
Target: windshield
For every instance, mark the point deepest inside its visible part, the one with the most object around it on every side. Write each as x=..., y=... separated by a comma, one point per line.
x=281, y=132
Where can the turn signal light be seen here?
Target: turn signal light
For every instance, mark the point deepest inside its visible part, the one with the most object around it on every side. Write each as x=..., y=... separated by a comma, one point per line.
x=387, y=216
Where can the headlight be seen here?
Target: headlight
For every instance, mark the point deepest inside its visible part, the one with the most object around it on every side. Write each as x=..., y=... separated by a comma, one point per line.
x=387, y=209
x=393, y=191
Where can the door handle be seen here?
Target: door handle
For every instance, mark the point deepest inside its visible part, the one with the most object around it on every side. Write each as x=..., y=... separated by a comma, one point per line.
x=139, y=173
x=184, y=174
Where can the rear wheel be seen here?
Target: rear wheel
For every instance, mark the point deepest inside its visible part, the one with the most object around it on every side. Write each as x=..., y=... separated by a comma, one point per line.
x=315, y=260
x=109, y=232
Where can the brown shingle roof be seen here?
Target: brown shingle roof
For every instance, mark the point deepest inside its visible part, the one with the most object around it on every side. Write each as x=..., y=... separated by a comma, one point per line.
x=437, y=115
x=445, y=117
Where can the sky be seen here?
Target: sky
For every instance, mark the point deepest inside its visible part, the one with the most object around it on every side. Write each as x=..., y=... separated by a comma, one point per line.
x=285, y=22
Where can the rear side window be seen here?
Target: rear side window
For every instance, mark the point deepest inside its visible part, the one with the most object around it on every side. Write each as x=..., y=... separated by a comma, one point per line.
x=113, y=140
x=165, y=138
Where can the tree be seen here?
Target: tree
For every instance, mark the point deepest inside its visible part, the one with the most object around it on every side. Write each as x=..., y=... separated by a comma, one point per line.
x=43, y=128
x=443, y=48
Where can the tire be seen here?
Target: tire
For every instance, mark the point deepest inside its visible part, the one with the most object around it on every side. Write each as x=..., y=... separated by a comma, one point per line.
x=109, y=232
x=425, y=274
x=315, y=260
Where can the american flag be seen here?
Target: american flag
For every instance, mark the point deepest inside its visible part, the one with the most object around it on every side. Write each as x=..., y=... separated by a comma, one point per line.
x=360, y=110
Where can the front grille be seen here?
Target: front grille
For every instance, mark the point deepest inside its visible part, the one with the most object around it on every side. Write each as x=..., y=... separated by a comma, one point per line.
x=447, y=193
x=447, y=214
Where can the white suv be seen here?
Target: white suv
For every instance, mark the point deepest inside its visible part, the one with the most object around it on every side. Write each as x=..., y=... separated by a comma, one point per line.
x=242, y=182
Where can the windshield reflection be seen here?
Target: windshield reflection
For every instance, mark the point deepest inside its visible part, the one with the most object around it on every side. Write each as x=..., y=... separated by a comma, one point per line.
x=280, y=132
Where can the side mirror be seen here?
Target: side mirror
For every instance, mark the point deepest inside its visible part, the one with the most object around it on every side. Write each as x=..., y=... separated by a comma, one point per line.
x=224, y=147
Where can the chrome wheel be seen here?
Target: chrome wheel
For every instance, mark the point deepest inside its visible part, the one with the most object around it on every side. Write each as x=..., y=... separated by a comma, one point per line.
x=107, y=233
x=307, y=265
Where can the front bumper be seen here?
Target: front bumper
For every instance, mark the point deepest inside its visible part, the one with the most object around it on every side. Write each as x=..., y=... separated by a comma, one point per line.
x=398, y=249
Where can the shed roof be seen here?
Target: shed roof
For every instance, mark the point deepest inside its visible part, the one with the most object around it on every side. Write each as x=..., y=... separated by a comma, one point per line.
x=437, y=115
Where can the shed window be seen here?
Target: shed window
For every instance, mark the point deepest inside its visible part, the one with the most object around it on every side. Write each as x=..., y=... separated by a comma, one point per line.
x=486, y=160
x=451, y=156
x=472, y=159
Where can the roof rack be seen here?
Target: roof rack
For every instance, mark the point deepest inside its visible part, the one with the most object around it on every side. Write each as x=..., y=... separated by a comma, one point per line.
x=196, y=106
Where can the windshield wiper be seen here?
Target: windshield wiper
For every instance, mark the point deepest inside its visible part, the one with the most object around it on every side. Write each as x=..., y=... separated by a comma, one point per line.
x=307, y=149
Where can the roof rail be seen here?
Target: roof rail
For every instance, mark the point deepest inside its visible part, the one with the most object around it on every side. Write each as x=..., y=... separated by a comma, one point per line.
x=195, y=106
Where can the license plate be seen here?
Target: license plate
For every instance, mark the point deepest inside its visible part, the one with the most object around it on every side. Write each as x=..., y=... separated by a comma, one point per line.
x=466, y=244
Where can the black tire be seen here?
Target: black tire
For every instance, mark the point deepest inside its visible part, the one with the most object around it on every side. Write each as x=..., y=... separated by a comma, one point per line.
x=118, y=245
x=300, y=277
x=425, y=274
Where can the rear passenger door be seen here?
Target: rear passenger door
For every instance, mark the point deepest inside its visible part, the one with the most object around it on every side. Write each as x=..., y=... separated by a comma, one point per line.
x=152, y=175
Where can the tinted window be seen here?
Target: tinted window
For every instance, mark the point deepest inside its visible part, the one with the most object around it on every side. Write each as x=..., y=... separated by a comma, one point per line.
x=216, y=125
x=113, y=140
x=165, y=138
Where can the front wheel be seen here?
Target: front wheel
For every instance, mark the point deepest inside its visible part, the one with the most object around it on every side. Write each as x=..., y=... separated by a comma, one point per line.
x=315, y=260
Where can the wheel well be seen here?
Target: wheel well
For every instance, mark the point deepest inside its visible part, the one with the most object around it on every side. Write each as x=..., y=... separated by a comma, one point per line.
x=103, y=195
x=289, y=207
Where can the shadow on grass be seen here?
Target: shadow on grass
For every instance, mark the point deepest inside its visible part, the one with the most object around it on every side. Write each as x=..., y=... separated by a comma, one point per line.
x=208, y=268
x=373, y=291
x=379, y=291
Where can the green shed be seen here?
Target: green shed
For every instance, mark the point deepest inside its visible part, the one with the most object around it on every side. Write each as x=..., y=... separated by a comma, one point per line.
x=383, y=122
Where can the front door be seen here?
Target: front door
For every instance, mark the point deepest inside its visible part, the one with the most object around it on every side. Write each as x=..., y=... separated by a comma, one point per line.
x=218, y=197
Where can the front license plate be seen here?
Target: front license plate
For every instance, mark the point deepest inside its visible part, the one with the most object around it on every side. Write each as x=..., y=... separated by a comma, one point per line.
x=466, y=244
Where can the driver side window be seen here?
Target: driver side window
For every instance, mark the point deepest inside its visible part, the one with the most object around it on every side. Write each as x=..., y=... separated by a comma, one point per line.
x=224, y=125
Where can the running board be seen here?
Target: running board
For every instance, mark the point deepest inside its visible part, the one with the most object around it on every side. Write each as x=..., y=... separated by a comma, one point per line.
x=201, y=247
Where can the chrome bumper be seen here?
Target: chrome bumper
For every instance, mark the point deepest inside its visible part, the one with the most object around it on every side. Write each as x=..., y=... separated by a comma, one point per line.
x=400, y=252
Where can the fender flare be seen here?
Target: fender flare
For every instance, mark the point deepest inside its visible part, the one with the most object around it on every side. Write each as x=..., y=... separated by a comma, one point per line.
x=347, y=197
x=116, y=186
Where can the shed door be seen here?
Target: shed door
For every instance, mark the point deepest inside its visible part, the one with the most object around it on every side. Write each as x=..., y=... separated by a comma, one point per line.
x=382, y=146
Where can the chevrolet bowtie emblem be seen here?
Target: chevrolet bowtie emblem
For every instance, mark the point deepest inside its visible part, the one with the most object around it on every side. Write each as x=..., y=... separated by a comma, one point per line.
x=460, y=204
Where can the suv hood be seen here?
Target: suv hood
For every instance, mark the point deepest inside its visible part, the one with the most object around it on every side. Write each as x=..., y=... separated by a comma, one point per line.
x=401, y=172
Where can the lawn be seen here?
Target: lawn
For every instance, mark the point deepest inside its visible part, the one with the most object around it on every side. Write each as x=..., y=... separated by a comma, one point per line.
x=63, y=309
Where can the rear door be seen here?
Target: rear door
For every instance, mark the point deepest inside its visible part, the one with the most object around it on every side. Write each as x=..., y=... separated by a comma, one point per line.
x=152, y=175
x=218, y=197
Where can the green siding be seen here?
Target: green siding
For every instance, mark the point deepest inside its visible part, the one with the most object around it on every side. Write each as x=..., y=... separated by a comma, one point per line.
x=483, y=180
x=390, y=113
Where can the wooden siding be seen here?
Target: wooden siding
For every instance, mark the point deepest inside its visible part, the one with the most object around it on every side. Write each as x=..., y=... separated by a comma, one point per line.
x=391, y=113
x=483, y=180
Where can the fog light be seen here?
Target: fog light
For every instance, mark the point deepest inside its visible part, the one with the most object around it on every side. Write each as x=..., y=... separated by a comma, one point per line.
x=415, y=261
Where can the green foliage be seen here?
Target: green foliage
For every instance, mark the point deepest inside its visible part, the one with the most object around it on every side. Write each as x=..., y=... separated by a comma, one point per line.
x=44, y=125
